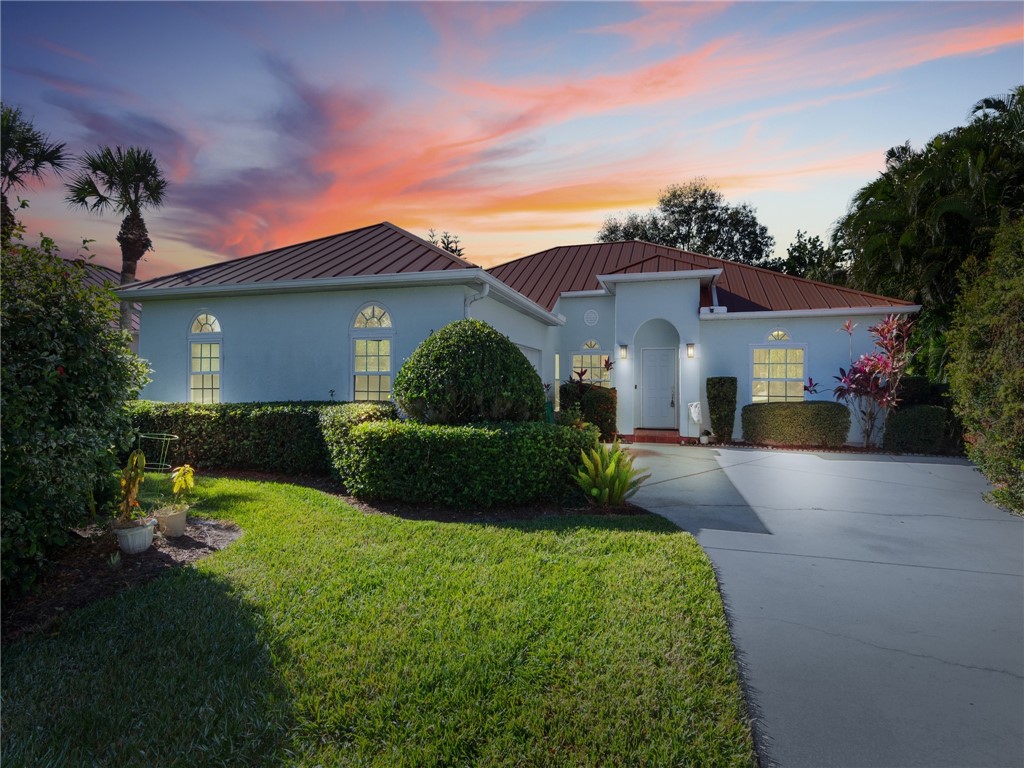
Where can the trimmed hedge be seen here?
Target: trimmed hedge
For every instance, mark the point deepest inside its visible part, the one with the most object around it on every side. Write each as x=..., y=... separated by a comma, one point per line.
x=598, y=405
x=814, y=423
x=265, y=437
x=469, y=372
x=462, y=466
x=918, y=429
x=336, y=424
x=722, y=406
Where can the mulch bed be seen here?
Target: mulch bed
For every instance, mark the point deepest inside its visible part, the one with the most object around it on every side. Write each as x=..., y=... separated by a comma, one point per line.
x=83, y=571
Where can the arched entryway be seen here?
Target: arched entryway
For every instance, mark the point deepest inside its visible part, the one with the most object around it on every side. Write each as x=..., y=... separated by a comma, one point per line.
x=657, y=405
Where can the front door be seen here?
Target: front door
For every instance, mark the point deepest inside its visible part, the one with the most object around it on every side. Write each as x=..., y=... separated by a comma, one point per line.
x=659, y=404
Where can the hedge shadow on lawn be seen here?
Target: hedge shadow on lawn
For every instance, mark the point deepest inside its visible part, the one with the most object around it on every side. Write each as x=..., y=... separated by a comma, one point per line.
x=178, y=670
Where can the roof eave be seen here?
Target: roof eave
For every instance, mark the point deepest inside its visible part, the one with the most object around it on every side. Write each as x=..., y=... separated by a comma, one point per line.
x=609, y=281
x=474, y=276
x=897, y=309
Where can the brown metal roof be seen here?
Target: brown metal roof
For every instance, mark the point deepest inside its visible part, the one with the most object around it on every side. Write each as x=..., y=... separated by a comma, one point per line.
x=544, y=276
x=381, y=249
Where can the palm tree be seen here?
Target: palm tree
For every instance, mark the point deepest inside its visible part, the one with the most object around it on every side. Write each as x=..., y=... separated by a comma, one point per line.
x=125, y=181
x=27, y=154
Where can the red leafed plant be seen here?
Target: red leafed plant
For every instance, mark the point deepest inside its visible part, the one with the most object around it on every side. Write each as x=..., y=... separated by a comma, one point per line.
x=871, y=384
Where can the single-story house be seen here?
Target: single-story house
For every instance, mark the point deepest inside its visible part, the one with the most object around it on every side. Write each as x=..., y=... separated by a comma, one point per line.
x=334, y=318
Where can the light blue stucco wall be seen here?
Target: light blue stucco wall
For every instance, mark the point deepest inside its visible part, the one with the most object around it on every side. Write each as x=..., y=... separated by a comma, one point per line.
x=538, y=339
x=726, y=349
x=295, y=346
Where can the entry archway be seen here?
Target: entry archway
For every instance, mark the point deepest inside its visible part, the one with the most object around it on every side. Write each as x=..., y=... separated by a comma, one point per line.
x=658, y=403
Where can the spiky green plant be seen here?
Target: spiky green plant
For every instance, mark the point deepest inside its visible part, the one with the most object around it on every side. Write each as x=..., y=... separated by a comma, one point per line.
x=608, y=476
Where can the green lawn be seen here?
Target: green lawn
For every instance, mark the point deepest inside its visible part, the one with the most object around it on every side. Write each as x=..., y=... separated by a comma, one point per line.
x=327, y=636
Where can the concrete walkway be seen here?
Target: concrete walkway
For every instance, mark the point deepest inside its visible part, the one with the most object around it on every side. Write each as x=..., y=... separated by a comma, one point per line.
x=876, y=602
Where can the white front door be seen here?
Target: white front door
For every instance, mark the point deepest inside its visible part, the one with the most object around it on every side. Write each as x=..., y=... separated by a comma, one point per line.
x=659, y=404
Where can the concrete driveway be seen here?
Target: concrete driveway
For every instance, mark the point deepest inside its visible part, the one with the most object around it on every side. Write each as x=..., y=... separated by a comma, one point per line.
x=876, y=602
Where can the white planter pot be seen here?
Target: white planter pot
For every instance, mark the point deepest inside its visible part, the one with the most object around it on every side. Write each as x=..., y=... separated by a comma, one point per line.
x=171, y=520
x=135, y=539
x=704, y=439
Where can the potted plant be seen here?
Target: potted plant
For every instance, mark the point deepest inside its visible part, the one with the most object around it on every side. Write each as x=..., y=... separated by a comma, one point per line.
x=705, y=437
x=133, y=529
x=171, y=519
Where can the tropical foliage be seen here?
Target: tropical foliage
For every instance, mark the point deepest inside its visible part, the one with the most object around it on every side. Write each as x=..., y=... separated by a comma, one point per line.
x=695, y=217
x=27, y=155
x=66, y=373
x=810, y=258
x=909, y=232
x=607, y=476
x=871, y=385
x=986, y=369
x=125, y=181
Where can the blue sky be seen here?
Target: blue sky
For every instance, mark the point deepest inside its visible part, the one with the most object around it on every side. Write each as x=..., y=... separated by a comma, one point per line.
x=516, y=126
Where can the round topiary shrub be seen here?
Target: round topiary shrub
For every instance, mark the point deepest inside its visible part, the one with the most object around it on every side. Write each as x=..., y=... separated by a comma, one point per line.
x=468, y=372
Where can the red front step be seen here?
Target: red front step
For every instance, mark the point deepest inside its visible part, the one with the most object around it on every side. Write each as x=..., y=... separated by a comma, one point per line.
x=668, y=436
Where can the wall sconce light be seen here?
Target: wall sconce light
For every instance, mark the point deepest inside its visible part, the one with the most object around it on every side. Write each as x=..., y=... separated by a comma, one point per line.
x=691, y=350
x=622, y=351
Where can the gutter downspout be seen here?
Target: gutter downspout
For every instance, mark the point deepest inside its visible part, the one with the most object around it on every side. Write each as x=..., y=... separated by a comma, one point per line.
x=482, y=294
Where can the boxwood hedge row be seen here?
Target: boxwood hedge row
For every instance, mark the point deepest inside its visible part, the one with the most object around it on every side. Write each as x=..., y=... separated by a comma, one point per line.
x=375, y=455
x=814, y=423
x=919, y=429
x=265, y=437
x=462, y=466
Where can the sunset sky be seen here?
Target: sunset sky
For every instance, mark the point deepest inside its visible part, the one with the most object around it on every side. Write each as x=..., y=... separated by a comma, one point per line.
x=516, y=126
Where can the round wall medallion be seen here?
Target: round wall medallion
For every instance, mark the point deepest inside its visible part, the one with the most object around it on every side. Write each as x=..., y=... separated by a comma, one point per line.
x=590, y=317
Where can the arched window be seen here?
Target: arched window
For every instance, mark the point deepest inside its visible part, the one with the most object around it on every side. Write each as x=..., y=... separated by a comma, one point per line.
x=593, y=362
x=372, y=337
x=779, y=334
x=204, y=341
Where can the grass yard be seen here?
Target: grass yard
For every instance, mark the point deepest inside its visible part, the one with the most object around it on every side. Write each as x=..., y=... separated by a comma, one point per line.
x=328, y=636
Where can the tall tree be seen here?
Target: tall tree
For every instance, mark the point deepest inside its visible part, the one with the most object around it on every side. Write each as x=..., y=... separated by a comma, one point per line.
x=27, y=155
x=910, y=230
x=809, y=257
x=124, y=181
x=695, y=217
x=447, y=241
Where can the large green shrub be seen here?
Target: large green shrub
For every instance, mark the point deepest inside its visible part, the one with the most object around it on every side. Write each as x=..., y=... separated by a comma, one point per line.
x=598, y=405
x=722, y=406
x=265, y=437
x=67, y=372
x=468, y=372
x=986, y=367
x=480, y=465
x=814, y=423
x=917, y=429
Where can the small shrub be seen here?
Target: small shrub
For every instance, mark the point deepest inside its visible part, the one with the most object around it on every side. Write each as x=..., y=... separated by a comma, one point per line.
x=597, y=405
x=468, y=372
x=66, y=373
x=461, y=465
x=608, y=476
x=722, y=406
x=812, y=423
x=917, y=429
x=263, y=437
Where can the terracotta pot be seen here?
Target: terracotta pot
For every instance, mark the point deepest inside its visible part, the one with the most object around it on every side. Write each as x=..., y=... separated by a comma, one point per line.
x=136, y=538
x=172, y=520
